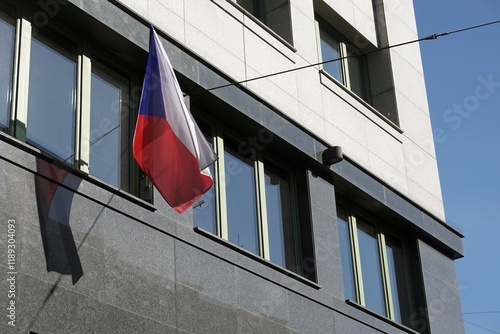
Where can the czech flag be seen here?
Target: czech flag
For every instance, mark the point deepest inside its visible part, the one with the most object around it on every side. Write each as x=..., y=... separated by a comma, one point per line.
x=168, y=145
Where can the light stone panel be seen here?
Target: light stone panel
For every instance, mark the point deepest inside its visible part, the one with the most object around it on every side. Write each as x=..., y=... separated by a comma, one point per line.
x=216, y=25
x=304, y=36
x=385, y=146
x=350, y=100
x=416, y=124
x=393, y=12
x=309, y=90
x=388, y=173
x=305, y=6
x=408, y=80
x=344, y=117
x=411, y=53
x=343, y=8
x=350, y=147
x=421, y=168
x=175, y=6
x=215, y=53
x=402, y=9
x=398, y=31
x=365, y=24
x=401, y=33
x=166, y=20
x=230, y=9
x=431, y=202
x=311, y=121
x=366, y=6
x=268, y=36
x=274, y=94
x=358, y=15
x=263, y=58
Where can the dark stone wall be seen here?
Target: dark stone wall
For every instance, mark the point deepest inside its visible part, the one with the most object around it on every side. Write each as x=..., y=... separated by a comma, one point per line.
x=146, y=272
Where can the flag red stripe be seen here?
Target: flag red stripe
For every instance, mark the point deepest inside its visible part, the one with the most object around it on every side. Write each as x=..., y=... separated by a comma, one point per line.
x=173, y=171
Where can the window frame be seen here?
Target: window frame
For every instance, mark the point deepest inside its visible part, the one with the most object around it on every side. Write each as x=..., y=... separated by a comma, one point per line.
x=219, y=132
x=86, y=52
x=104, y=64
x=9, y=14
x=353, y=214
x=52, y=34
x=323, y=27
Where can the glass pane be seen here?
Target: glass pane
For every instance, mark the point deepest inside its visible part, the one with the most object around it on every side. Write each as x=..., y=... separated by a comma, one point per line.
x=330, y=50
x=241, y=201
x=279, y=218
x=204, y=208
x=6, y=61
x=370, y=268
x=358, y=76
x=346, y=254
x=399, y=282
x=108, y=108
x=51, y=100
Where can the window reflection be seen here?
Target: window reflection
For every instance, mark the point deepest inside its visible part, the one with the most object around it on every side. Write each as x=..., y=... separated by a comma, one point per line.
x=241, y=201
x=330, y=50
x=6, y=61
x=279, y=217
x=108, y=109
x=370, y=268
x=400, y=292
x=371, y=254
x=345, y=253
x=51, y=107
x=204, y=209
x=350, y=68
x=257, y=202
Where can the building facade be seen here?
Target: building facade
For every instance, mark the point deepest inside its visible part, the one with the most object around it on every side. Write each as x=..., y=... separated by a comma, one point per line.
x=289, y=239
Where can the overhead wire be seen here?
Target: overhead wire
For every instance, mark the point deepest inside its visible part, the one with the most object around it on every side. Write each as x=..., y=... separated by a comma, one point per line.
x=483, y=312
x=483, y=328
x=478, y=326
x=430, y=37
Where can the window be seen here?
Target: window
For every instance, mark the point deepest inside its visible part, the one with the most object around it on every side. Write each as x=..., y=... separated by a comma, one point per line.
x=241, y=198
x=52, y=107
x=6, y=65
x=273, y=13
x=350, y=69
x=76, y=107
x=253, y=203
x=375, y=267
x=108, y=125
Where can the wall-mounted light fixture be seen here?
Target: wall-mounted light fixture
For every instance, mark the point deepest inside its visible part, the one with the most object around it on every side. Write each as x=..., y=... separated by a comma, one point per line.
x=332, y=155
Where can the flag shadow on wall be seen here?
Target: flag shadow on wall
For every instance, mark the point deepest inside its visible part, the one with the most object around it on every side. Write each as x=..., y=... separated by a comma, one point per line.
x=54, y=189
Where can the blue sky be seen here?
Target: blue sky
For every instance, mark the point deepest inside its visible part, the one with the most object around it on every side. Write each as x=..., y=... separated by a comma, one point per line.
x=462, y=73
